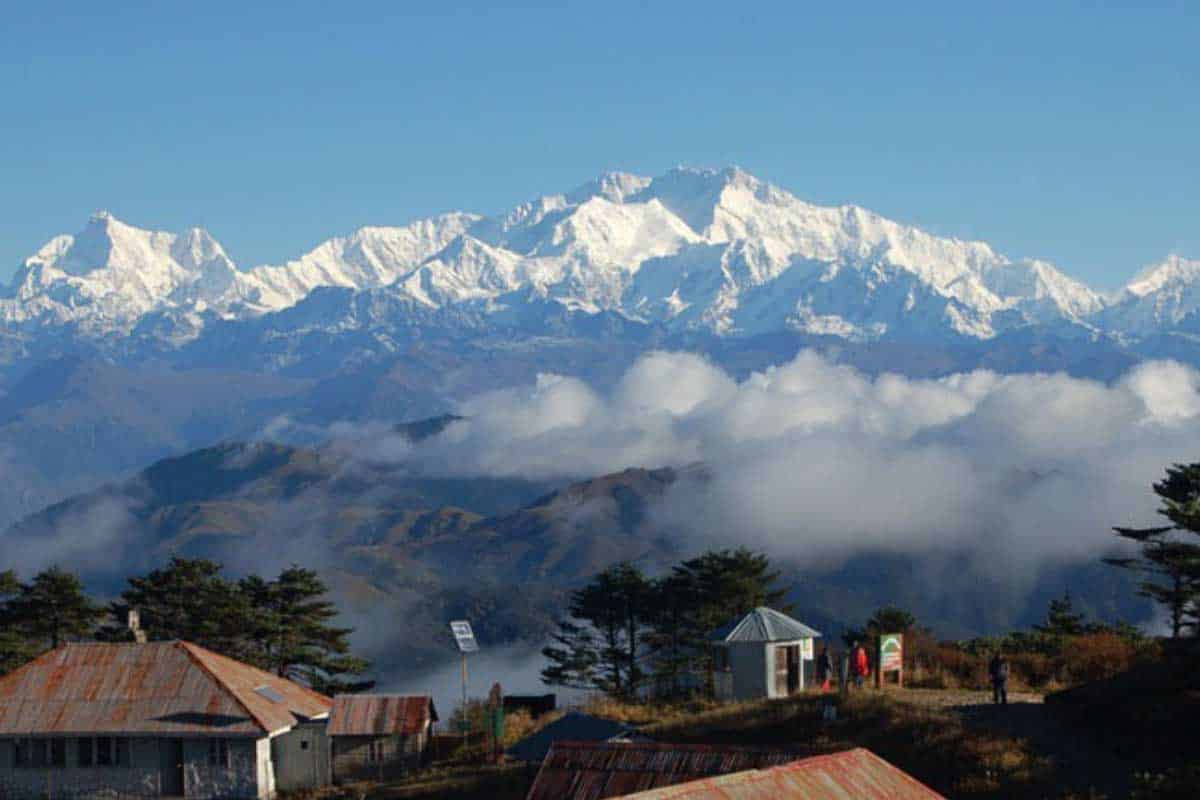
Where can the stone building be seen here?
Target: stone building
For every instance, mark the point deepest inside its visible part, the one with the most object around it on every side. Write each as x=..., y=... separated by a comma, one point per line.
x=762, y=654
x=378, y=736
x=157, y=719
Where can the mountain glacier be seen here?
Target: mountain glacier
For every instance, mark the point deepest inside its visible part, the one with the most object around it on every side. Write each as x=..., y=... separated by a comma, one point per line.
x=713, y=251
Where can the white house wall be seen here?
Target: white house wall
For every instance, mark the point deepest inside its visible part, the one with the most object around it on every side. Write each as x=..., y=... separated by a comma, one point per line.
x=204, y=782
x=302, y=757
x=141, y=777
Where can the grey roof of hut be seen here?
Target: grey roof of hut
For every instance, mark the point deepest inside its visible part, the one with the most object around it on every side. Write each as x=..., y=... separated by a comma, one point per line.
x=572, y=726
x=763, y=625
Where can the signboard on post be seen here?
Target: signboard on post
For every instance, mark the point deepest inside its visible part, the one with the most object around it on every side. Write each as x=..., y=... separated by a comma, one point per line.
x=891, y=657
x=464, y=636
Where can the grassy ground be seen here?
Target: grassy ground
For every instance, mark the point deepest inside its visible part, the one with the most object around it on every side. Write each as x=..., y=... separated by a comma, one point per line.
x=953, y=740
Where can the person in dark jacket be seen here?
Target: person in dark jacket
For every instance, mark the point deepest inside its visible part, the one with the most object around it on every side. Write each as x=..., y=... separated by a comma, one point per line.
x=824, y=669
x=844, y=673
x=998, y=670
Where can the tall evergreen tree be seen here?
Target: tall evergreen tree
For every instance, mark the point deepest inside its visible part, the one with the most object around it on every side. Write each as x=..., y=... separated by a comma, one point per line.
x=601, y=644
x=294, y=635
x=53, y=609
x=702, y=594
x=15, y=649
x=189, y=599
x=1170, y=557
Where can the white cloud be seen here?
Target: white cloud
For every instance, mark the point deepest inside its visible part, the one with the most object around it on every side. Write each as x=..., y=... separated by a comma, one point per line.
x=815, y=459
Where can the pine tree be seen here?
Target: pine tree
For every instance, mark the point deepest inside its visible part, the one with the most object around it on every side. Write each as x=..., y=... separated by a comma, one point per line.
x=294, y=635
x=702, y=594
x=1062, y=619
x=601, y=644
x=1170, y=558
x=188, y=599
x=15, y=649
x=53, y=609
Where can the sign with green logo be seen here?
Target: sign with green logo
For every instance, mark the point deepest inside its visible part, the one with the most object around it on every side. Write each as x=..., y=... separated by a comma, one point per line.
x=891, y=652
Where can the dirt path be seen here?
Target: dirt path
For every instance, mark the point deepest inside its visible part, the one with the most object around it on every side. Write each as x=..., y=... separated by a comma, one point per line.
x=1080, y=757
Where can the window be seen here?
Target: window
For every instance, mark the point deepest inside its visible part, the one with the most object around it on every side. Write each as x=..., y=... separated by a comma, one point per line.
x=122, y=759
x=721, y=659
x=58, y=752
x=104, y=751
x=375, y=751
x=38, y=753
x=218, y=752
x=86, y=759
x=21, y=753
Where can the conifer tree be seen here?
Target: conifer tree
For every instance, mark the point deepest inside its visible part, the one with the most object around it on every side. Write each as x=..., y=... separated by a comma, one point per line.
x=188, y=599
x=52, y=609
x=294, y=635
x=15, y=650
x=601, y=644
x=1170, y=556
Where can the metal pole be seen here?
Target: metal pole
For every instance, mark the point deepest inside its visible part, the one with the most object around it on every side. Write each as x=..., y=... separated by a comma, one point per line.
x=466, y=722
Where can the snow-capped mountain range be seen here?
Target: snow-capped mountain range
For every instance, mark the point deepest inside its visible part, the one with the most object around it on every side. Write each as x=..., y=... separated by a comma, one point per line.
x=714, y=251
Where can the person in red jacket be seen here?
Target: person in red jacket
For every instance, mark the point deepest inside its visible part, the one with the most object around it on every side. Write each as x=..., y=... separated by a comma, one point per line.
x=862, y=667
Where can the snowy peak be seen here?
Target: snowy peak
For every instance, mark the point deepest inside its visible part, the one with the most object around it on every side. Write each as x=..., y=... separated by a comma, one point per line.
x=717, y=250
x=1173, y=272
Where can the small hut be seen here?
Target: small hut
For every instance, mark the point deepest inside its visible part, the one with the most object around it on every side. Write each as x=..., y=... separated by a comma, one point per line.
x=379, y=736
x=761, y=654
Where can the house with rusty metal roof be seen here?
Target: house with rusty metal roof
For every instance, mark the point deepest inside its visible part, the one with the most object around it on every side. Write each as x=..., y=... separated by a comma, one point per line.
x=595, y=770
x=157, y=719
x=764, y=653
x=379, y=736
x=858, y=774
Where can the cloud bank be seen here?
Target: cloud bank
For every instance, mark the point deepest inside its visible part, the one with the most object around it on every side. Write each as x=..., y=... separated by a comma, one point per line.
x=814, y=460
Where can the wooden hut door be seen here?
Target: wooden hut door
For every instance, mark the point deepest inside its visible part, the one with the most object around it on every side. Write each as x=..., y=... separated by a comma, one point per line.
x=793, y=669
x=781, y=670
x=170, y=767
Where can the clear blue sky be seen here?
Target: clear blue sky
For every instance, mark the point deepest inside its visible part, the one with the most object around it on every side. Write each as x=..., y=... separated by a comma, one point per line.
x=1071, y=134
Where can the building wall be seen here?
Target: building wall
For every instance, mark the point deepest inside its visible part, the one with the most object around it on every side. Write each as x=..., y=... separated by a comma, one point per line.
x=351, y=756
x=205, y=782
x=750, y=668
x=301, y=757
x=141, y=777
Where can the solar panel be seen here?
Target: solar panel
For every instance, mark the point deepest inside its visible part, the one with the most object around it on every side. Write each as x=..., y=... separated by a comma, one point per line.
x=464, y=636
x=269, y=693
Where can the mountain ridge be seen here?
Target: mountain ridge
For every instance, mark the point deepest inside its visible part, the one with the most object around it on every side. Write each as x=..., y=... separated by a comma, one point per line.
x=719, y=251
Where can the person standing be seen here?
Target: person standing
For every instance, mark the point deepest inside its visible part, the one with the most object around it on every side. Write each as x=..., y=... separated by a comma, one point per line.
x=998, y=670
x=862, y=667
x=844, y=673
x=824, y=668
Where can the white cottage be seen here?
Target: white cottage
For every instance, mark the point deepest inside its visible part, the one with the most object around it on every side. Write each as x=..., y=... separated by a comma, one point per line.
x=157, y=719
x=762, y=654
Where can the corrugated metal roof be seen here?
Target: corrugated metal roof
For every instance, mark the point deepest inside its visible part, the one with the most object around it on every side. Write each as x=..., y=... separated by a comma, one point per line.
x=590, y=771
x=853, y=775
x=574, y=726
x=380, y=714
x=166, y=688
x=764, y=625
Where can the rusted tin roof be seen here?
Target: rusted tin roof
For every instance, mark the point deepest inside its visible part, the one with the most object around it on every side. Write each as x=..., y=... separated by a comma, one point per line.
x=852, y=775
x=380, y=714
x=594, y=770
x=165, y=688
